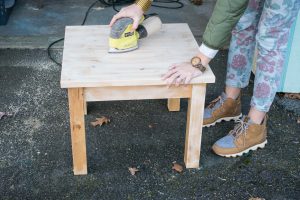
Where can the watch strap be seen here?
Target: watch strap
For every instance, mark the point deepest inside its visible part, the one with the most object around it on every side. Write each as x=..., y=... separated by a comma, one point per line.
x=200, y=66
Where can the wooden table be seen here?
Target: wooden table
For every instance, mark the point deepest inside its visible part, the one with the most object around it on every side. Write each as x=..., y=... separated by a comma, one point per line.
x=91, y=74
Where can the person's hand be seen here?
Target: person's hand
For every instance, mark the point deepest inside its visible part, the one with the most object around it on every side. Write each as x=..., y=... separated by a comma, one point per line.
x=133, y=11
x=181, y=73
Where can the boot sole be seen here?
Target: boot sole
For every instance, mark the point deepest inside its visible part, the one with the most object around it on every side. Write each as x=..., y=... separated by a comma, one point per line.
x=255, y=147
x=227, y=119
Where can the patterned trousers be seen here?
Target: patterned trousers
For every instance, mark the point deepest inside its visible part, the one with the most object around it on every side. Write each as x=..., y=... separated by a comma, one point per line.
x=265, y=23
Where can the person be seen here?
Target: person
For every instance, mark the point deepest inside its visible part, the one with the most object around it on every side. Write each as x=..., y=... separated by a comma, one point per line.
x=261, y=24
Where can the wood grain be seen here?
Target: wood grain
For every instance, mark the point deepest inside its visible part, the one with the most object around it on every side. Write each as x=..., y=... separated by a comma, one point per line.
x=76, y=109
x=85, y=107
x=174, y=104
x=194, y=126
x=92, y=74
x=136, y=92
x=86, y=62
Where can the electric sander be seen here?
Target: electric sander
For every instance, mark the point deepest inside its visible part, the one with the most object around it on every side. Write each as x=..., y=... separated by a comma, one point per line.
x=123, y=39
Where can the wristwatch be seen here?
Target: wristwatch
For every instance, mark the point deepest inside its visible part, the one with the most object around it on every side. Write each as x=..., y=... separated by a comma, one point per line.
x=196, y=62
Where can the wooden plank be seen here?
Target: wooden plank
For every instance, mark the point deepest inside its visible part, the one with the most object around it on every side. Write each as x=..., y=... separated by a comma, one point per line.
x=115, y=79
x=76, y=109
x=85, y=107
x=136, y=92
x=86, y=62
x=174, y=104
x=84, y=104
x=194, y=126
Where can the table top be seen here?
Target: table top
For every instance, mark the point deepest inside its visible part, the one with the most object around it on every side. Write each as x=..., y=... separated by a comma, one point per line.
x=87, y=63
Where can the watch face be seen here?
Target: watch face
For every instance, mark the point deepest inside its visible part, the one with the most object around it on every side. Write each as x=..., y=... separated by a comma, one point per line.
x=195, y=61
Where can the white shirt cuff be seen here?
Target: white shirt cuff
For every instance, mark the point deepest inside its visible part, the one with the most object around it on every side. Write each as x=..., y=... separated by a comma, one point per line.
x=211, y=53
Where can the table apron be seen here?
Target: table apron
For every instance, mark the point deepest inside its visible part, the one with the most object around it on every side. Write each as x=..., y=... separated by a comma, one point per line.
x=136, y=92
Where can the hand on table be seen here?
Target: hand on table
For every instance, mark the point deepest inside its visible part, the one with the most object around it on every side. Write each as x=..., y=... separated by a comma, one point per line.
x=133, y=11
x=181, y=73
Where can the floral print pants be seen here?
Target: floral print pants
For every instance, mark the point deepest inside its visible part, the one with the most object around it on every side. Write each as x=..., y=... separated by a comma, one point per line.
x=265, y=23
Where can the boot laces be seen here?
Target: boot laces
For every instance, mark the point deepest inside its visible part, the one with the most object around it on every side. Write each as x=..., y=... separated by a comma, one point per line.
x=215, y=101
x=240, y=128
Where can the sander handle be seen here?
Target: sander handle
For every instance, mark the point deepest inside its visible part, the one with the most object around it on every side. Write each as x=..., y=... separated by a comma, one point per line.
x=149, y=26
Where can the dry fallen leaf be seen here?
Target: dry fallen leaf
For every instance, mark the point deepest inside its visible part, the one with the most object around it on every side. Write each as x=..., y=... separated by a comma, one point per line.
x=178, y=168
x=100, y=121
x=133, y=170
x=5, y=114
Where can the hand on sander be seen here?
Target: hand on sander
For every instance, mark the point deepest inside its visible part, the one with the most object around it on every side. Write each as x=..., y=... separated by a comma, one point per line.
x=123, y=39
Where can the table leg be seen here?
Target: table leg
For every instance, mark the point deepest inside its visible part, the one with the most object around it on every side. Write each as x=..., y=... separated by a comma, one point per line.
x=174, y=104
x=76, y=109
x=194, y=126
x=85, y=107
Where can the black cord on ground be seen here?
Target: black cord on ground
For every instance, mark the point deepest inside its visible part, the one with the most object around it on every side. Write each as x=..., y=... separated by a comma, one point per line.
x=179, y=4
x=113, y=4
x=61, y=39
x=49, y=53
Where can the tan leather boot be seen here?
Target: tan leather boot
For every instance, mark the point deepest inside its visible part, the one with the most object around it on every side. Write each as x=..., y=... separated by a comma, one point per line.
x=222, y=109
x=244, y=137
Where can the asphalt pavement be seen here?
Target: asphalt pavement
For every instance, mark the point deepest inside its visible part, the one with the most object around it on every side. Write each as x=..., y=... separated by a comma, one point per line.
x=35, y=149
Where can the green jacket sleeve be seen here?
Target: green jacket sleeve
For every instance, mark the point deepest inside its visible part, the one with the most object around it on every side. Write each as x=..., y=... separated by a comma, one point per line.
x=224, y=17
